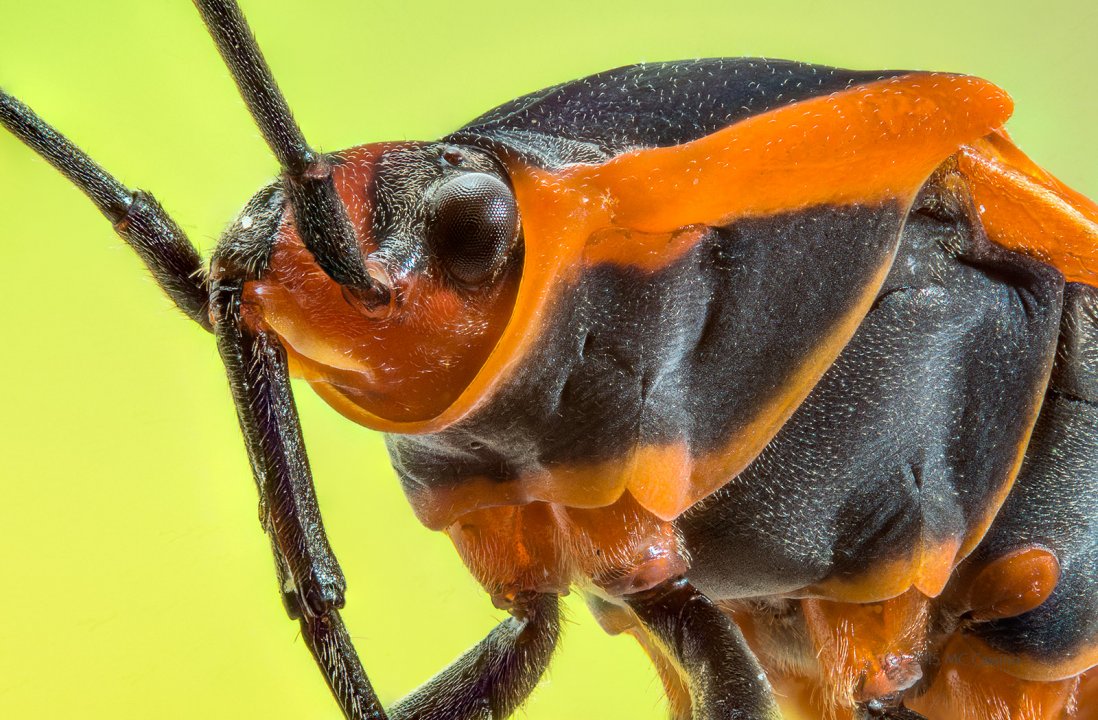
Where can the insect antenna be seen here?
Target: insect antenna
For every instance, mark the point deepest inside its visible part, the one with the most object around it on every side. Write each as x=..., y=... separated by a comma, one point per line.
x=320, y=216
x=135, y=214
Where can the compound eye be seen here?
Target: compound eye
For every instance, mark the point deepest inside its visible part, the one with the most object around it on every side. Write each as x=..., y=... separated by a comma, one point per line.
x=471, y=223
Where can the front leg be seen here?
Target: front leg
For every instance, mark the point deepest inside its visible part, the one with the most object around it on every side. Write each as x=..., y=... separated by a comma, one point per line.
x=259, y=380
x=488, y=681
x=311, y=581
x=724, y=679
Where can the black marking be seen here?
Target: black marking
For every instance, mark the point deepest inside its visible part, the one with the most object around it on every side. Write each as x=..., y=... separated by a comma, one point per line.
x=687, y=353
x=908, y=437
x=649, y=105
x=1054, y=502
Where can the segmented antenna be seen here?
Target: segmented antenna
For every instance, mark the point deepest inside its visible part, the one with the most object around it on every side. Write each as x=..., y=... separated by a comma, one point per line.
x=319, y=214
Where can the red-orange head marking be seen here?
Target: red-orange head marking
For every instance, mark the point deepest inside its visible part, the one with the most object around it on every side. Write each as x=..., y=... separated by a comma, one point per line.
x=439, y=226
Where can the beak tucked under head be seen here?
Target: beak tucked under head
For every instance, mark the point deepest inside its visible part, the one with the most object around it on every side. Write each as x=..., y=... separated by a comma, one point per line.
x=438, y=227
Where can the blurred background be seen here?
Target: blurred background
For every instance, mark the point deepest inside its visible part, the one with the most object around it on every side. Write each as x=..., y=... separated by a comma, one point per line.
x=135, y=579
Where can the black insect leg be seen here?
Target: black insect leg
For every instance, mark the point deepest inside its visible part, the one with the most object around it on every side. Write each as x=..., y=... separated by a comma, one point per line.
x=497, y=675
x=135, y=214
x=312, y=583
x=725, y=679
x=488, y=681
x=319, y=214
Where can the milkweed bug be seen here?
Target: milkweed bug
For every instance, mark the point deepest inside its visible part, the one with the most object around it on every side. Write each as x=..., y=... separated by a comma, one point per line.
x=535, y=506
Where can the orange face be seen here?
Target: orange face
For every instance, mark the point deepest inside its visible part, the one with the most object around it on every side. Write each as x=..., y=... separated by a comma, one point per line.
x=439, y=226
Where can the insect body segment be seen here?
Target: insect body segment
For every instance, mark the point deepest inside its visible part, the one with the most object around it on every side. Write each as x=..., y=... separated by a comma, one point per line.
x=612, y=436
x=619, y=390
x=775, y=362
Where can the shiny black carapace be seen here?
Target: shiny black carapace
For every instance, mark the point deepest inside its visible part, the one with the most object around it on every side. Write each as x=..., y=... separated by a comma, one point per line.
x=791, y=370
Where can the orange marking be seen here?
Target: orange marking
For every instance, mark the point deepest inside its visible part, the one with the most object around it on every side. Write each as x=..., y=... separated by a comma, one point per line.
x=866, y=145
x=647, y=251
x=407, y=365
x=1087, y=697
x=973, y=685
x=546, y=548
x=869, y=144
x=924, y=567
x=1024, y=208
x=935, y=566
x=1013, y=584
x=653, y=475
x=1030, y=668
x=868, y=650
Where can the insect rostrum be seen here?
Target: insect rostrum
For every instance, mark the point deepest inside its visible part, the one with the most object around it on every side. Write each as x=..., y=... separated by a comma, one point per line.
x=772, y=360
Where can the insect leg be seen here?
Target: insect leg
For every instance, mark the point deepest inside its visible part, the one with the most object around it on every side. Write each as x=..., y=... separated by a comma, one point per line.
x=725, y=679
x=490, y=680
x=319, y=214
x=497, y=675
x=135, y=214
x=312, y=583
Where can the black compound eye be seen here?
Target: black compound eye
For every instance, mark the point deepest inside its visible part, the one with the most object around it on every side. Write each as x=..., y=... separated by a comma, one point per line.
x=472, y=221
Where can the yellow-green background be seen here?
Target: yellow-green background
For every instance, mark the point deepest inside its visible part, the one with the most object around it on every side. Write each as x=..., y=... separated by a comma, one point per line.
x=134, y=579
